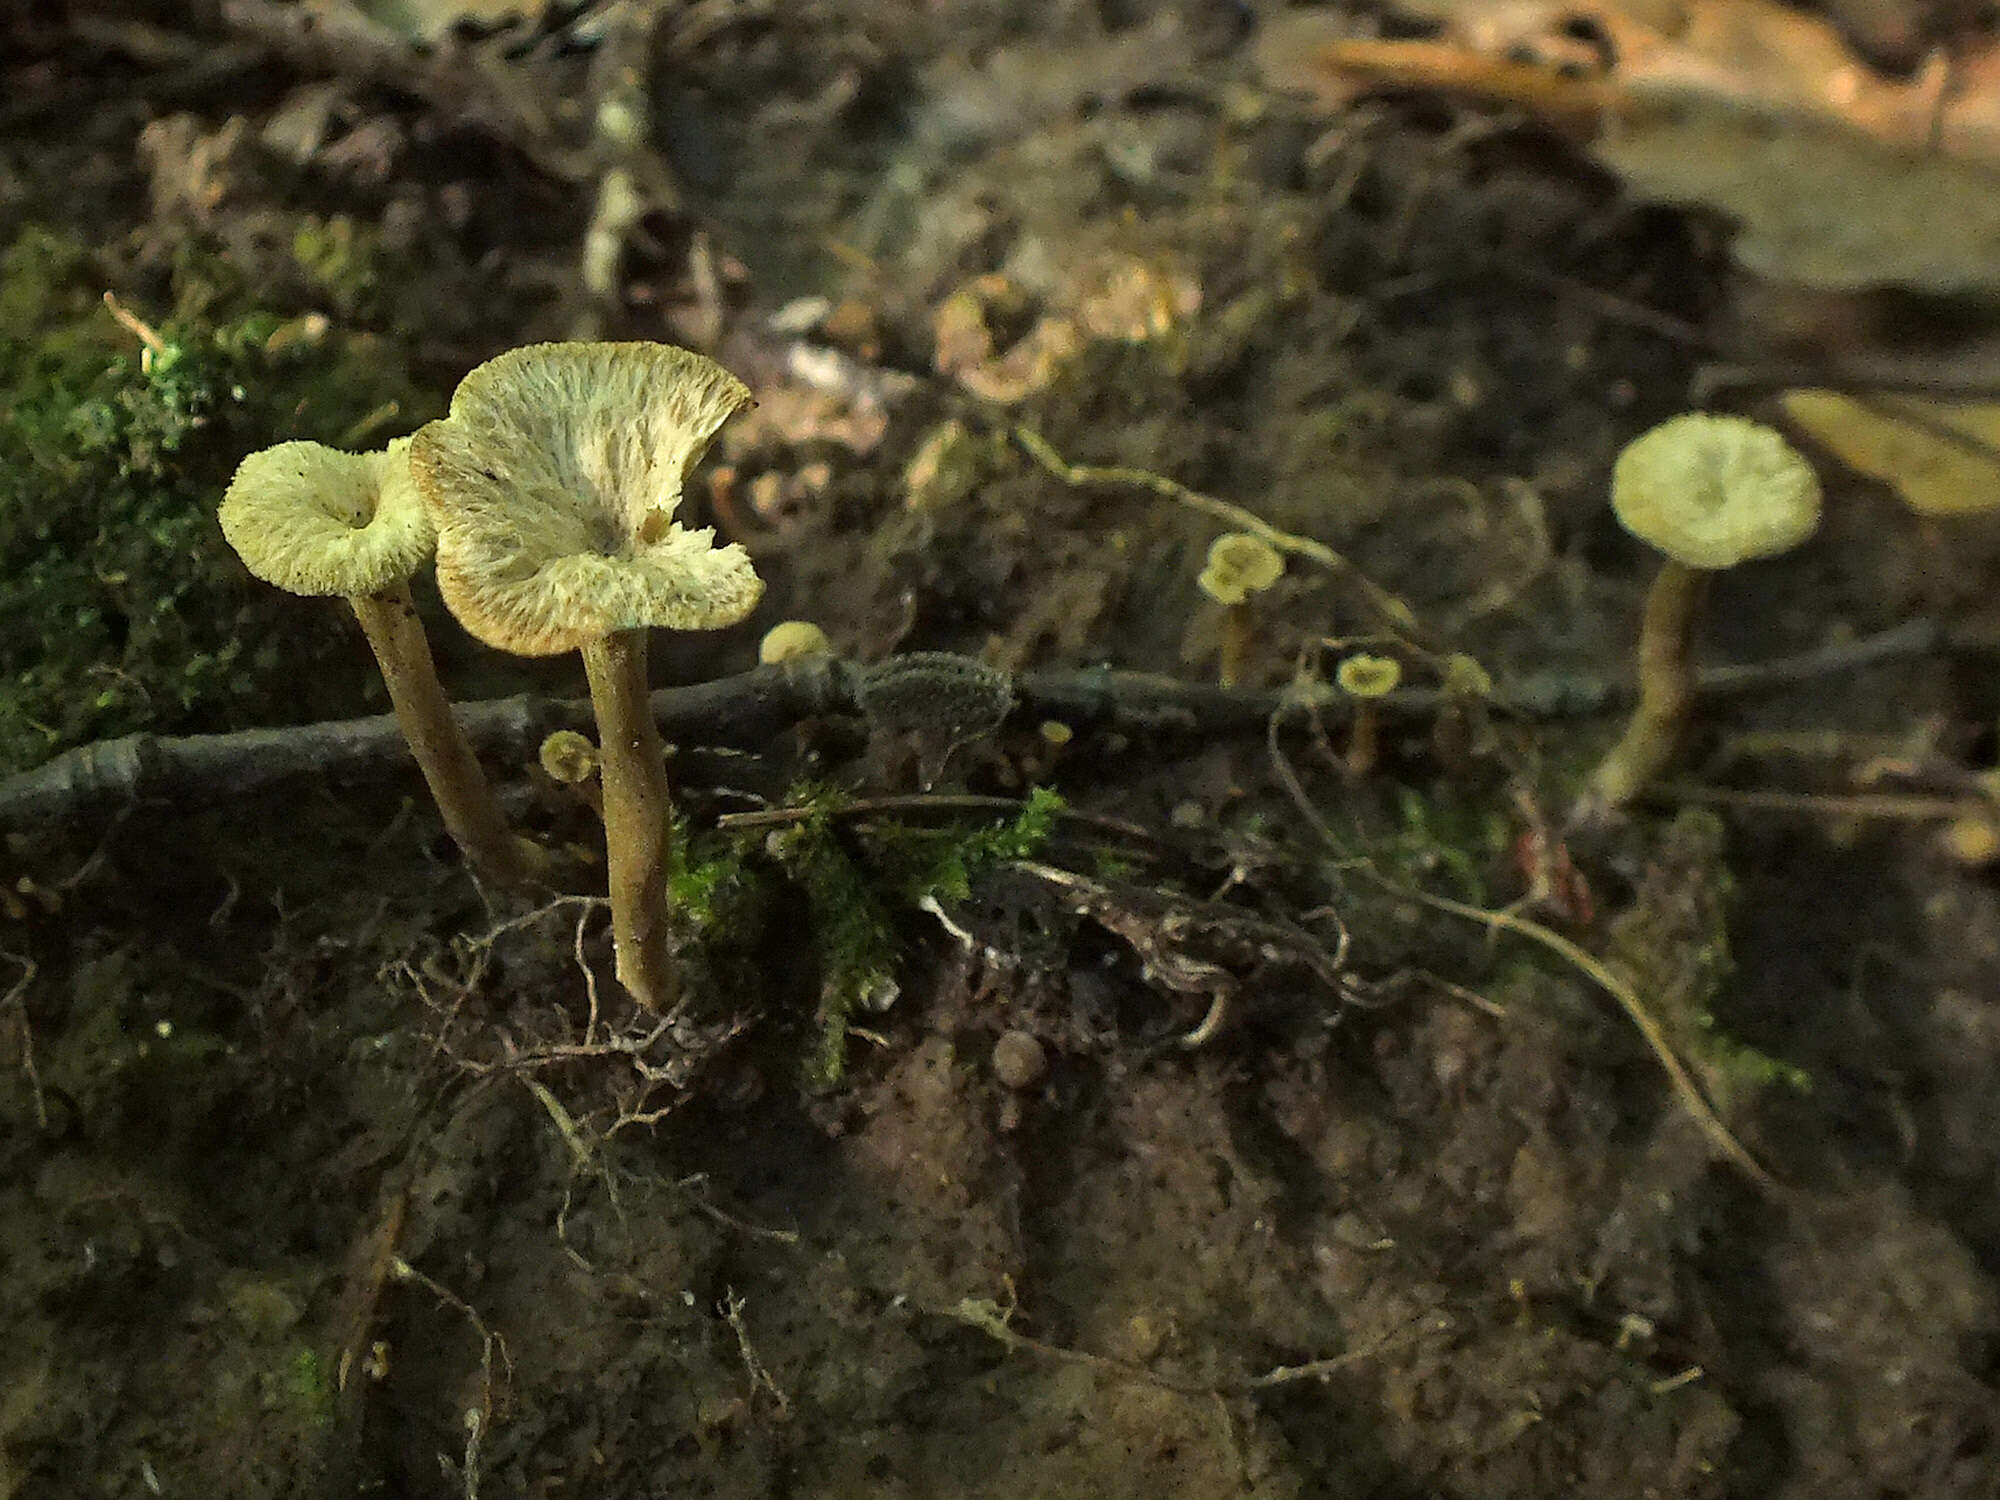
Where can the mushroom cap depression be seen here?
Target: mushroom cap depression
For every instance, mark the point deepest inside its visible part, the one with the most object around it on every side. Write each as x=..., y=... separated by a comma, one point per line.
x=1239, y=565
x=1712, y=492
x=1365, y=676
x=553, y=484
x=313, y=520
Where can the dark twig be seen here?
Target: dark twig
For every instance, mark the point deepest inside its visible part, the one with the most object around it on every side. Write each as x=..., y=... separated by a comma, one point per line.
x=750, y=708
x=932, y=805
x=747, y=709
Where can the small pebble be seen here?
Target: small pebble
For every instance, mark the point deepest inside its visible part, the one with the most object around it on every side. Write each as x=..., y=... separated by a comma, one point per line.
x=1018, y=1060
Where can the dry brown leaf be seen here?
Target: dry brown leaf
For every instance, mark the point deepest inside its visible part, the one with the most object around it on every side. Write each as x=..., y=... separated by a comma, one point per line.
x=1942, y=457
x=1820, y=207
x=1757, y=54
x=1840, y=180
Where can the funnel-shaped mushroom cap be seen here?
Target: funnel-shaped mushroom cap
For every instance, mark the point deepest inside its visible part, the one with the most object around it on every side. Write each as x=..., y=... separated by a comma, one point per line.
x=1365, y=676
x=553, y=485
x=1712, y=492
x=1239, y=565
x=313, y=520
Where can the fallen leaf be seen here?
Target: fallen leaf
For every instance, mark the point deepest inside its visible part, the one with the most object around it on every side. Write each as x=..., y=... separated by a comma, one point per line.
x=1823, y=207
x=1838, y=179
x=1942, y=457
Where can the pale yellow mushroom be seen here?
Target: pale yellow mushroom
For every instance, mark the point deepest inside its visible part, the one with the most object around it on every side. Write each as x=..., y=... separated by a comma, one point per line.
x=792, y=638
x=570, y=758
x=1239, y=567
x=313, y=520
x=1365, y=678
x=553, y=485
x=1707, y=492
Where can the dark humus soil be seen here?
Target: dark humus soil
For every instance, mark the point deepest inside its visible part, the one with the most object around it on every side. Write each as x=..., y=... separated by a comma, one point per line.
x=324, y=1172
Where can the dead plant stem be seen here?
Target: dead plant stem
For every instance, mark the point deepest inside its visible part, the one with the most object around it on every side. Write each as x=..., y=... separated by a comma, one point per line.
x=1628, y=1000
x=1391, y=609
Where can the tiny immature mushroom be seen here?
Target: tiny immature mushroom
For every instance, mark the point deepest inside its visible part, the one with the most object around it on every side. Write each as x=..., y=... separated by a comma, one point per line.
x=553, y=485
x=1239, y=567
x=1019, y=1060
x=313, y=520
x=1708, y=492
x=571, y=759
x=1366, y=678
x=792, y=638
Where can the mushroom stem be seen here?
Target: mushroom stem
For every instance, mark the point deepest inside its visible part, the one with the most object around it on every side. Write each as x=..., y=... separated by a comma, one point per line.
x=1238, y=636
x=1364, y=741
x=1666, y=683
x=637, y=813
x=458, y=785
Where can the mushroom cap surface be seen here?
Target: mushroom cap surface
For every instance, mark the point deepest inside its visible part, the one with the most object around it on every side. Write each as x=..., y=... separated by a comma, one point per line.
x=1366, y=676
x=569, y=757
x=792, y=638
x=1239, y=565
x=1714, y=491
x=313, y=520
x=553, y=484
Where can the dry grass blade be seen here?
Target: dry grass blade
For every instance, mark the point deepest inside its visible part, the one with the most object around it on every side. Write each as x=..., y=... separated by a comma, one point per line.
x=1684, y=1085
x=1592, y=968
x=1392, y=610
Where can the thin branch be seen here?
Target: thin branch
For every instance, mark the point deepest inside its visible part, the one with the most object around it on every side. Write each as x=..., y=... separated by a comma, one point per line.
x=1904, y=807
x=14, y=1006
x=336, y=39
x=751, y=708
x=995, y=1320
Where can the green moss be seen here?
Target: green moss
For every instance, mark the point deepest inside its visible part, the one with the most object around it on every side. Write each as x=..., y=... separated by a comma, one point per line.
x=310, y=1389
x=714, y=888
x=941, y=864
x=342, y=262
x=1674, y=944
x=121, y=608
x=854, y=888
x=1444, y=834
x=853, y=941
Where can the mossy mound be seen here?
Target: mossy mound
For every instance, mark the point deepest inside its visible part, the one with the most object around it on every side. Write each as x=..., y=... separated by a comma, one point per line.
x=121, y=609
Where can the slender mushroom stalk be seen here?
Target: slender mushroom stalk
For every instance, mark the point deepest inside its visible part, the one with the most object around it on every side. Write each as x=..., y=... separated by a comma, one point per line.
x=316, y=521
x=1709, y=492
x=553, y=483
x=1665, y=687
x=638, y=805
x=1463, y=722
x=1239, y=567
x=1366, y=678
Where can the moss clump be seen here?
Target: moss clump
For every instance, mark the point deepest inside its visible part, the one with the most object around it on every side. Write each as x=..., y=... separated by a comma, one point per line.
x=853, y=940
x=310, y=1390
x=120, y=607
x=716, y=892
x=941, y=863
x=1448, y=835
x=342, y=262
x=854, y=888
x=1674, y=943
